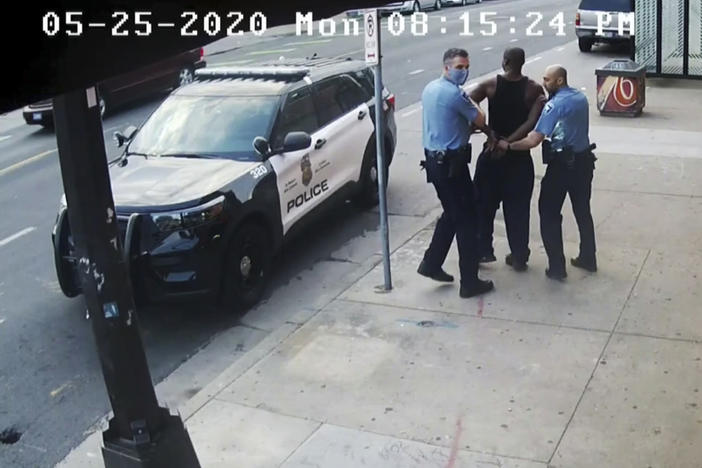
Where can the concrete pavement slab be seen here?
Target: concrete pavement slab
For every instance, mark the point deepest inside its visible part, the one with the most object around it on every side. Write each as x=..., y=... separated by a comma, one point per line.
x=511, y=387
x=646, y=174
x=642, y=141
x=339, y=447
x=584, y=300
x=649, y=221
x=641, y=409
x=666, y=301
x=226, y=435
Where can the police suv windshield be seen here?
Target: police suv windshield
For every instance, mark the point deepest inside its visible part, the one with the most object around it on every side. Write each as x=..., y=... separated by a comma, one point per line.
x=206, y=126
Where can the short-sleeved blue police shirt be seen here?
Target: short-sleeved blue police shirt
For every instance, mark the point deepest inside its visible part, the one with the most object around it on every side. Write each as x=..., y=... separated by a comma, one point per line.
x=447, y=114
x=565, y=120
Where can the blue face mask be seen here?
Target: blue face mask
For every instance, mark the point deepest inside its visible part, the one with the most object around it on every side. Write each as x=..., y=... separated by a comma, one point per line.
x=458, y=76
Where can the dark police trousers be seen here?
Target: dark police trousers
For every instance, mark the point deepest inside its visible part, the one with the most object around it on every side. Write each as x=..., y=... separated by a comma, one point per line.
x=510, y=180
x=576, y=181
x=459, y=219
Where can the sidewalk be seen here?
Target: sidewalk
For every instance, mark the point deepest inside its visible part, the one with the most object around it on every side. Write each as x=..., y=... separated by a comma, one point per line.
x=603, y=370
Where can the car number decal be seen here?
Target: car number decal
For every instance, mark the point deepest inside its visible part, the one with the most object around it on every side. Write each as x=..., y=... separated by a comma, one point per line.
x=259, y=171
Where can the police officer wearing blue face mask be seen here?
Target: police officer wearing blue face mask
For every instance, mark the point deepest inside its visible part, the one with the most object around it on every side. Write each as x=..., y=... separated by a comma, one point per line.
x=565, y=119
x=448, y=114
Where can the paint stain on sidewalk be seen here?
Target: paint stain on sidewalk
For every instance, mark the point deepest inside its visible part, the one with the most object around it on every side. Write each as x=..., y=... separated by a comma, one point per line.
x=454, y=445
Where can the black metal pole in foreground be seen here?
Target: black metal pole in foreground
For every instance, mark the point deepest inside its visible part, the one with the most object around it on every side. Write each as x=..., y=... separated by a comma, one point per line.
x=141, y=434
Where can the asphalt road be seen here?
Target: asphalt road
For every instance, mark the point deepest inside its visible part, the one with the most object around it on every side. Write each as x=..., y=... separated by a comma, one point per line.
x=51, y=388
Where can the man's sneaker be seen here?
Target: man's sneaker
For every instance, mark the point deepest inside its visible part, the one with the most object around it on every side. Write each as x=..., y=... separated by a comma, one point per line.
x=589, y=266
x=487, y=258
x=517, y=265
x=439, y=275
x=556, y=275
x=476, y=289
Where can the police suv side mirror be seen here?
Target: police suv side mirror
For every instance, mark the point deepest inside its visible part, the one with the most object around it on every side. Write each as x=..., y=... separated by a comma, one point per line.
x=122, y=138
x=262, y=147
x=296, y=141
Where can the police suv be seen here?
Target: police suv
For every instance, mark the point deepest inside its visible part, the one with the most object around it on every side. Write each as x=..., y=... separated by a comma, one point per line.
x=229, y=167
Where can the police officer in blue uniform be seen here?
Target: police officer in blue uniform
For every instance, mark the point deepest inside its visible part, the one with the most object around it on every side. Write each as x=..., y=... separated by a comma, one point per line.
x=448, y=113
x=565, y=119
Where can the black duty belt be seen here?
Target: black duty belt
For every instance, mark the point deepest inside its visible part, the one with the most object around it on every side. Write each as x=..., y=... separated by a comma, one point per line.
x=446, y=154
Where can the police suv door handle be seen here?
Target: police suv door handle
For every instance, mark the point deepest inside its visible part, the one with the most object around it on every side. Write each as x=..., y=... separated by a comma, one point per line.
x=319, y=143
x=361, y=115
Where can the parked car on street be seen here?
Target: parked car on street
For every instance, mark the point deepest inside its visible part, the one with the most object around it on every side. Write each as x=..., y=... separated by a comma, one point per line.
x=409, y=6
x=113, y=92
x=586, y=22
x=459, y=2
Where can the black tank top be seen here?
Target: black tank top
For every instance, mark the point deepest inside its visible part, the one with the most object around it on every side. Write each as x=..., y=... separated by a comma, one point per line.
x=508, y=109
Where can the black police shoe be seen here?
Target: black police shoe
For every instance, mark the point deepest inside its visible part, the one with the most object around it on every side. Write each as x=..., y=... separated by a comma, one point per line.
x=517, y=265
x=556, y=275
x=487, y=258
x=589, y=266
x=439, y=275
x=476, y=289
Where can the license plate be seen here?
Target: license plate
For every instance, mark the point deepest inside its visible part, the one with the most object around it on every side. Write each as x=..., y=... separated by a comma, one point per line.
x=36, y=116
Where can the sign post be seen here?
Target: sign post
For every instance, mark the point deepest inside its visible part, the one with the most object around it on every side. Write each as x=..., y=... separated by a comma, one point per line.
x=372, y=46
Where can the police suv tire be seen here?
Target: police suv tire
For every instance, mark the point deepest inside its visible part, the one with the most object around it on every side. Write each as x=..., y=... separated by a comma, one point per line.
x=247, y=267
x=368, y=194
x=585, y=44
x=65, y=270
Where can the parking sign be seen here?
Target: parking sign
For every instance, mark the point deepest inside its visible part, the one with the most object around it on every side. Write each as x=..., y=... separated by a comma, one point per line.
x=371, y=36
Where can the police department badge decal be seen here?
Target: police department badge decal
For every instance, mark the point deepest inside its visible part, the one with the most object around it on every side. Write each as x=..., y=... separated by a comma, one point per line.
x=306, y=168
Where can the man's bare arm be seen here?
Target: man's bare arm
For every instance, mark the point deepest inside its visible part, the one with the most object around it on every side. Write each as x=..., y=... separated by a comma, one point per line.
x=480, y=92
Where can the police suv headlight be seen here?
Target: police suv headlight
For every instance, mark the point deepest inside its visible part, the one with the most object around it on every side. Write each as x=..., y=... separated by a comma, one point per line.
x=190, y=218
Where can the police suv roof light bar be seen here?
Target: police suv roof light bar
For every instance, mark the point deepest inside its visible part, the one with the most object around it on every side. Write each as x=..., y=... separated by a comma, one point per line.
x=234, y=72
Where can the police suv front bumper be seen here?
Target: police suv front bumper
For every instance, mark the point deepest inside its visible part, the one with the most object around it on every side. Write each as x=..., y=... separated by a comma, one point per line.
x=169, y=256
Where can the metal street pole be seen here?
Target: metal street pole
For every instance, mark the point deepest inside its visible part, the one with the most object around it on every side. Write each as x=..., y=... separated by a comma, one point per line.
x=373, y=56
x=140, y=434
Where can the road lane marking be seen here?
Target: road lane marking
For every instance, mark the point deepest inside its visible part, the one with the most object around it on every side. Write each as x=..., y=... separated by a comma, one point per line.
x=3, y=138
x=487, y=48
x=514, y=40
x=264, y=52
x=23, y=232
x=63, y=387
x=2, y=320
x=416, y=72
x=16, y=166
x=351, y=53
x=318, y=41
x=234, y=62
x=408, y=113
x=535, y=59
x=560, y=49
